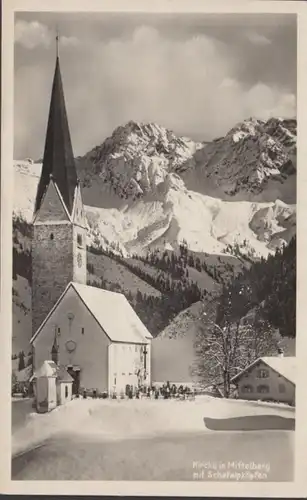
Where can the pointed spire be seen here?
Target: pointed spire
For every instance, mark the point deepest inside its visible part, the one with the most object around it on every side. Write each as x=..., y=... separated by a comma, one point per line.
x=58, y=160
x=57, y=43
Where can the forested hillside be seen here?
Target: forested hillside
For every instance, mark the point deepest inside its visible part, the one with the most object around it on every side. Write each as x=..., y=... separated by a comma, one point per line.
x=271, y=283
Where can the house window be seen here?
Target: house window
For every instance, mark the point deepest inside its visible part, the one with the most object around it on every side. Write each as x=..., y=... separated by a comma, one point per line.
x=79, y=240
x=51, y=236
x=282, y=388
x=82, y=330
x=262, y=373
x=66, y=391
x=59, y=330
x=114, y=380
x=263, y=389
x=247, y=388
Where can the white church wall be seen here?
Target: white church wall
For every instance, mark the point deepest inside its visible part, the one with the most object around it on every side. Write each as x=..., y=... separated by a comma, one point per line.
x=91, y=349
x=124, y=362
x=148, y=363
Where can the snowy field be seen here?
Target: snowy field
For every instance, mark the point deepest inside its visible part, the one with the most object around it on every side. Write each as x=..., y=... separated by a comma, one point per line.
x=91, y=439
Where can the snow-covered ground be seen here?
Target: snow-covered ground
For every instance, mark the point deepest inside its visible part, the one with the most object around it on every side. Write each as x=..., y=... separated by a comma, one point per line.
x=107, y=420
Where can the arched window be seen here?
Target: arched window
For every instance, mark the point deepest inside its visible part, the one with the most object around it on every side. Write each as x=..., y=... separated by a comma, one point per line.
x=66, y=391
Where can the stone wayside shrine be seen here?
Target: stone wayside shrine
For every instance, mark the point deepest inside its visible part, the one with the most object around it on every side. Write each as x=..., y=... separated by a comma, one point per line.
x=94, y=334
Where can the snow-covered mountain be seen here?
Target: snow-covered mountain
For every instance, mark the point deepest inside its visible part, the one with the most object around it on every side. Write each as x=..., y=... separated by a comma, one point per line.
x=145, y=188
x=255, y=161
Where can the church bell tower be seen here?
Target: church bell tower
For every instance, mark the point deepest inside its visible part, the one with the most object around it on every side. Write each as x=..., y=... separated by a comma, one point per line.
x=59, y=222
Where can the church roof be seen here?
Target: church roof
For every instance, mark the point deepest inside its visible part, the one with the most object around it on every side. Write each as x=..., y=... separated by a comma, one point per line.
x=58, y=160
x=112, y=312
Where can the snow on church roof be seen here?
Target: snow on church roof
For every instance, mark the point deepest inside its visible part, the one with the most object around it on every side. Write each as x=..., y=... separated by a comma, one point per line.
x=114, y=313
x=111, y=310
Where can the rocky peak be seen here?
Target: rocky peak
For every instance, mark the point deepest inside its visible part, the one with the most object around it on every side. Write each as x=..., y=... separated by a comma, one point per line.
x=138, y=156
x=248, y=158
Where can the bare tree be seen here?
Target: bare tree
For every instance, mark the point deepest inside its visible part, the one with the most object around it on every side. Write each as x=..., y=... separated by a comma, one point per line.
x=223, y=350
x=262, y=338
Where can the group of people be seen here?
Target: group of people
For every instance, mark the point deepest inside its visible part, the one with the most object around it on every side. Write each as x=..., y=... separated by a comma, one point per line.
x=166, y=391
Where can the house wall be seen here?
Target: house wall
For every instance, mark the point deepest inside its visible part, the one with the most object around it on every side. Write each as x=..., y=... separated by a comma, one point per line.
x=62, y=398
x=91, y=353
x=273, y=382
x=124, y=362
x=52, y=393
x=45, y=392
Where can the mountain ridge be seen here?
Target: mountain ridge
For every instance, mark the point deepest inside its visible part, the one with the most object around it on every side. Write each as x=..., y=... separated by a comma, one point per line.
x=145, y=188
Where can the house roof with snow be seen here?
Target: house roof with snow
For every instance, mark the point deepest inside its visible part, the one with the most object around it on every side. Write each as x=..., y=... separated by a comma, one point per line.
x=47, y=369
x=112, y=312
x=283, y=365
x=50, y=369
x=63, y=375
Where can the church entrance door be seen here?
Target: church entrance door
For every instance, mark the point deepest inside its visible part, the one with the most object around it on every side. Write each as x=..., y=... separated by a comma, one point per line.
x=75, y=374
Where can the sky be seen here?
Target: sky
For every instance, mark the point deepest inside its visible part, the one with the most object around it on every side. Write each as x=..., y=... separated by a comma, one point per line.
x=198, y=75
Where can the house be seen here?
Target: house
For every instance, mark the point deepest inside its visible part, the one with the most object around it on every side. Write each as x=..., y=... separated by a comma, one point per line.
x=94, y=334
x=270, y=378
x=99, y=339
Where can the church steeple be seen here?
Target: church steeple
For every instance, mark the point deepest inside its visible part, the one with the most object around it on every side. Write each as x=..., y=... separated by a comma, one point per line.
x=59, y=223
x=58, y=161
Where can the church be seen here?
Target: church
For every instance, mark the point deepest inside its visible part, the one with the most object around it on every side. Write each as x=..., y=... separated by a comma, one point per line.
x=94, y=334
